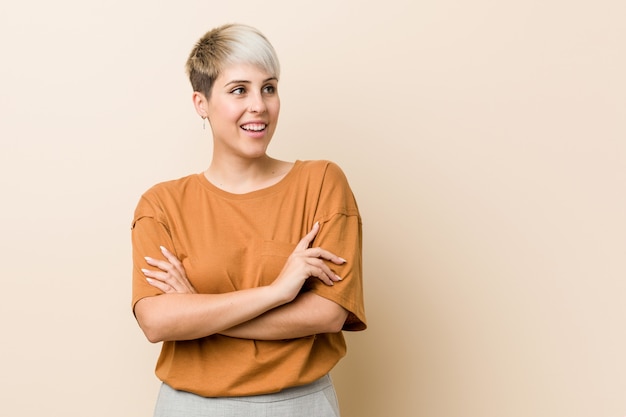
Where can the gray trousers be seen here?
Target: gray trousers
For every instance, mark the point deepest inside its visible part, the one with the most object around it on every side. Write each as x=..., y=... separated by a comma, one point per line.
x=317, y=399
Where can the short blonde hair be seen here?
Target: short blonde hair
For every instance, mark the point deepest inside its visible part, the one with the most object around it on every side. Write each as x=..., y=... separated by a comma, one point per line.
x=226, y=45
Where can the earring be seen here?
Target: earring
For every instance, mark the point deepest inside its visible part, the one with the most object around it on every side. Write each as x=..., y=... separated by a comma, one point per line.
x=203, y=124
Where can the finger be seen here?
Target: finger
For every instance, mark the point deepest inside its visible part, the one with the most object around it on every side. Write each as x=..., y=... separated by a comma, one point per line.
x=325, y=269
x=162, y=265
x=181, y=284
x=164, y=277
x=324, y=254
x=305, y=242
x=160, y=285
x=171, y=257
x=320, y=274
x=170, y=278
x=173, y=274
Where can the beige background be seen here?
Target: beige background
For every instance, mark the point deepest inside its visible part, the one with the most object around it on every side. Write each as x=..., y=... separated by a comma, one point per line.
x=485, y=142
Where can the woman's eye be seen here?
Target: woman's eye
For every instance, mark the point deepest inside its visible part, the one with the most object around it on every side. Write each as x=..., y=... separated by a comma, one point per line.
x=238, y=91
x=269, y=89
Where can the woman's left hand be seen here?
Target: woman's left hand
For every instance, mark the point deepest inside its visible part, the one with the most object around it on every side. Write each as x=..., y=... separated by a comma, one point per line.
x=171, y=277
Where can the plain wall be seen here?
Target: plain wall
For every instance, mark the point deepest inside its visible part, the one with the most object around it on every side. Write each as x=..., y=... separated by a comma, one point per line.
x=485, y=142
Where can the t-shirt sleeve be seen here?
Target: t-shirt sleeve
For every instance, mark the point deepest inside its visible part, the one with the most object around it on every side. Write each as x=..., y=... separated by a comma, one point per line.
x=341, y=234
x=148, y=232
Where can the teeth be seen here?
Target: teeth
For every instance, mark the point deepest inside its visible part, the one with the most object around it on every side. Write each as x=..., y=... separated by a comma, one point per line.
x=254, y=127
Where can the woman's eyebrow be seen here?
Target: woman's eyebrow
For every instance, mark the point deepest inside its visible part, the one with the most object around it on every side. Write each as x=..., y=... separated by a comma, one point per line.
x=236, y=82
x=248, y=82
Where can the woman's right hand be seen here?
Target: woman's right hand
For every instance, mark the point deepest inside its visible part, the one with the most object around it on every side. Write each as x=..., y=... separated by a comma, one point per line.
x=171, y=277
x=305, y=262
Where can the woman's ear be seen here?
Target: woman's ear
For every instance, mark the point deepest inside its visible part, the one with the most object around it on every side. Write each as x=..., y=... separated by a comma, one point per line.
x=201, y=104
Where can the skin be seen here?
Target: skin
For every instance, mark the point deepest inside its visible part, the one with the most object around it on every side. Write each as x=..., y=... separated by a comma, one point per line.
x=243, y=96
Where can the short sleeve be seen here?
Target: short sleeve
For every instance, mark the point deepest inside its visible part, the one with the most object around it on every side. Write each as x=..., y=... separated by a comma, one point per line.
x=341, y=234
x=149, y=231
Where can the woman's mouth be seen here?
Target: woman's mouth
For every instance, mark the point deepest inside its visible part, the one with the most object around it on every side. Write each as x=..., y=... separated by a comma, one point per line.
x=254, y=127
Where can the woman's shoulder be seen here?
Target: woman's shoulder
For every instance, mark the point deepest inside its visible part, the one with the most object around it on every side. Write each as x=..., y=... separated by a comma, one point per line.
x=323, y=167
x=172, y=191
x=163, y=196
x=175, y=186
x=326, y=175
x=328, y=181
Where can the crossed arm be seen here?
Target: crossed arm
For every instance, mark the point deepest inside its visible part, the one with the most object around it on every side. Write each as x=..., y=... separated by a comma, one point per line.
x=273, y=312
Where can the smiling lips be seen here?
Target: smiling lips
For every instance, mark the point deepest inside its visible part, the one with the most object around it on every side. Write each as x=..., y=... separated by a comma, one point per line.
x=254, y=127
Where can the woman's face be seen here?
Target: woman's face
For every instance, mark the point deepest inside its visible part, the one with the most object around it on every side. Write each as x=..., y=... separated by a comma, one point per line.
x=243, y=111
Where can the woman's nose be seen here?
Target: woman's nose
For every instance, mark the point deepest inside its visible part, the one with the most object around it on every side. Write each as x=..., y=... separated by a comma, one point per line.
x=257, y=104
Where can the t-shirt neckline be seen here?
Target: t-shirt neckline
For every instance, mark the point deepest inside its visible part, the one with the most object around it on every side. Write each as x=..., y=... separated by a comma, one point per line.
x=252, y=194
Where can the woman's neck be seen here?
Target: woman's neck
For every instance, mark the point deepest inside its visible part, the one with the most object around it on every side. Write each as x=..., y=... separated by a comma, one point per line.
x=246, y=176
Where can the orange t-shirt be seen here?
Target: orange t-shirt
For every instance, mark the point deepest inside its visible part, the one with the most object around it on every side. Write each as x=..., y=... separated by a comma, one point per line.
x=229, y=242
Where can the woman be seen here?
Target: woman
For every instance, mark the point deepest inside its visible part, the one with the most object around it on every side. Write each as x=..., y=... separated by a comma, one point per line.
x=249, y=271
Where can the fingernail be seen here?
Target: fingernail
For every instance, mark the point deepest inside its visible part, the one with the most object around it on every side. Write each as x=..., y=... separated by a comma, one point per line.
x=163, y=248
x=147, y=258
x=145, y=271
x=343, y=261
x=338, y=277
x=150, y=280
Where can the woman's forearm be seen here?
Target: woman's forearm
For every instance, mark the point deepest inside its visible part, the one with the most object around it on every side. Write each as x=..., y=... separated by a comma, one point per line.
x=192, y=316
x=307, y=315
x=181, y=314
